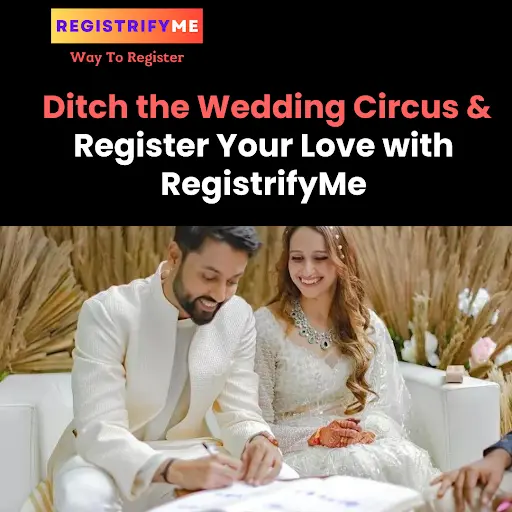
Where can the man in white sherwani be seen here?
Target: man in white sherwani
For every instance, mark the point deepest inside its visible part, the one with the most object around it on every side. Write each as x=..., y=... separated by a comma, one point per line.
x=151, y=359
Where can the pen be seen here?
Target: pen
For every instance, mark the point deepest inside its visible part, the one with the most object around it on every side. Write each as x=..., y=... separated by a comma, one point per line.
x=209, y=449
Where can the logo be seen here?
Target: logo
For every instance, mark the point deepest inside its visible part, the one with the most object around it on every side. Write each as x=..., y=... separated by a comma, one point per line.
x=127, y=26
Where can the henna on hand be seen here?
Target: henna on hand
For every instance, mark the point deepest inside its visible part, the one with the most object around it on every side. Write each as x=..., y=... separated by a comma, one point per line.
x=341, y=433
x=350, y=423
x=337, y=437
x=333, y=436
x=366, y=437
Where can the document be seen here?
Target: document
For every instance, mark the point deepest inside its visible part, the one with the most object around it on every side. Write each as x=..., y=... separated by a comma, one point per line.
x=333, y=494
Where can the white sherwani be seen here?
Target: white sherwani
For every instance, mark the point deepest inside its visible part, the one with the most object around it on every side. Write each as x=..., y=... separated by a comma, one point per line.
x=125, y=345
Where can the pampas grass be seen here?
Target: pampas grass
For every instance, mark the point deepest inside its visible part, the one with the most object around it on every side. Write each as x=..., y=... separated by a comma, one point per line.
x=103, y=256
x=258, y=284
x=39, y=301
x=505, y=383
x=417, y=273
x=399, y=265
x=40, y=297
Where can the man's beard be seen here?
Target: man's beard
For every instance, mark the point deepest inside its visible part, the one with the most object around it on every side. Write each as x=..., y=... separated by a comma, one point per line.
x=190, y=305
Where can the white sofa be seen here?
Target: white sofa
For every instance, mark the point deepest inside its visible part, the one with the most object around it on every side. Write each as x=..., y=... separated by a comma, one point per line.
x=454, y=422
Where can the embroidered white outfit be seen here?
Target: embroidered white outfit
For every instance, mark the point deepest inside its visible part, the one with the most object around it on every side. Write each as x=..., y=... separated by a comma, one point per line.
x=131, y=406
x=299, y=392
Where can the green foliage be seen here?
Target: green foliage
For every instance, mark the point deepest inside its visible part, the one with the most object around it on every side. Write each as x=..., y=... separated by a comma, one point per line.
x=398, y=341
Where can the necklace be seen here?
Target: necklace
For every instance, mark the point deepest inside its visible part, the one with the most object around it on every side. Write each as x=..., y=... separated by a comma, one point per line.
x=324, y=339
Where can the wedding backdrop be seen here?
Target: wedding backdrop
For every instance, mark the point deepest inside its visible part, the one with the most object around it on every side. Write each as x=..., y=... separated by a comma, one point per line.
x=445, y=293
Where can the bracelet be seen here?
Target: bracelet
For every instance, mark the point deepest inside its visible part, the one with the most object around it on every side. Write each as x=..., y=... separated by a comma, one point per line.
x=267, y=436
x=314, y=440
x=163, y=474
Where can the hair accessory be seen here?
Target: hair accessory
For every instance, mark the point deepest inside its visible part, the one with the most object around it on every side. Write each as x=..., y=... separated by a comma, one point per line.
x=337, y=236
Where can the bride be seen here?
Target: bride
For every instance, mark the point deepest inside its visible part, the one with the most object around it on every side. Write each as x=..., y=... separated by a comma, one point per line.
x=330, y=384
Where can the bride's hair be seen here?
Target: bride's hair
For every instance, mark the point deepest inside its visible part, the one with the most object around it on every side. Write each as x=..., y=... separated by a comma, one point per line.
x=349, y=315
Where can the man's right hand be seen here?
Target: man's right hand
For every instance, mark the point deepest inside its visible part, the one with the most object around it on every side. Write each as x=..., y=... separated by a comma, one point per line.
x=212, y=472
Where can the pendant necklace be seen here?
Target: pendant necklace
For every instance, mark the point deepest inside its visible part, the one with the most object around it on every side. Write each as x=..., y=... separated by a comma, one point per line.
x=324, y=339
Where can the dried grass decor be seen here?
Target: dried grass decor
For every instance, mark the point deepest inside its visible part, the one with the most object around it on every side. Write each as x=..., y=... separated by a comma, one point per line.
x=258, y=284
x=39, y=301
x=505, y=383
x=103, y=256
x=47, y=272
x=445, y=294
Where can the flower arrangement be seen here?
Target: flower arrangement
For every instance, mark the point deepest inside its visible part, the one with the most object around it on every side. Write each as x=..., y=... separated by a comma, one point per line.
x=445, y=294
x=481, y=351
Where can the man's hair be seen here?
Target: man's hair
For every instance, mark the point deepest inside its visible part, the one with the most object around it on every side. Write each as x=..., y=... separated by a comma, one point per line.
x=242, y=238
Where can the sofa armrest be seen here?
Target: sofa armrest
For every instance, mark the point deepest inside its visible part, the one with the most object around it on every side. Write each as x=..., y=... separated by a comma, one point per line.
x=34, y=411
x=453, y=422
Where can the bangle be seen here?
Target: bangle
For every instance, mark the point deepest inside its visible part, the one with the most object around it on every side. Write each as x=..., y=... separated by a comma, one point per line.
x=314, y=440
x=166, y=468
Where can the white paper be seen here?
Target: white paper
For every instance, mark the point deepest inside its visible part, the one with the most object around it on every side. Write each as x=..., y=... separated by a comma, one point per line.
x=335, y=494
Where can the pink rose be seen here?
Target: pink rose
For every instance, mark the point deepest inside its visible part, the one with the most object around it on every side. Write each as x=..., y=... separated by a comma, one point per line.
x=481, y=351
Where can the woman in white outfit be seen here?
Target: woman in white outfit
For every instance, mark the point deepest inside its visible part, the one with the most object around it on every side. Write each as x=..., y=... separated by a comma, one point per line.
x=330, y=384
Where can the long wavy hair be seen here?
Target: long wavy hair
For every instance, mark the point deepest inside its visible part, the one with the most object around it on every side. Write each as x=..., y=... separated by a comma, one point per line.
x=349, y=316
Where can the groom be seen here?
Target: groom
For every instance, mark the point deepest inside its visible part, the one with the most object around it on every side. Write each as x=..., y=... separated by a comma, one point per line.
x=151, y=358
